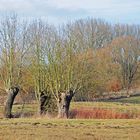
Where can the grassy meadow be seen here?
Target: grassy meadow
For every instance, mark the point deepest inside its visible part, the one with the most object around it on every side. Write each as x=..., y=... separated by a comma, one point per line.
x=100, y=126
x=72, y=129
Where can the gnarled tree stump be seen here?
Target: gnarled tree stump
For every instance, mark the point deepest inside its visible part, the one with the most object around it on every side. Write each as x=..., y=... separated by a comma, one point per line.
x=12, y=92
x=63, y=104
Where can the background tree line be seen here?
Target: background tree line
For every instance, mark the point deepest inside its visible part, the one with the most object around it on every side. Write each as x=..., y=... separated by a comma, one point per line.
x=84, y=58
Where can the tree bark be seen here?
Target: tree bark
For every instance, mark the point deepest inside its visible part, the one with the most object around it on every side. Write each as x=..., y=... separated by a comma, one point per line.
x=64, y=104
x=44, y=100
x=12, y=92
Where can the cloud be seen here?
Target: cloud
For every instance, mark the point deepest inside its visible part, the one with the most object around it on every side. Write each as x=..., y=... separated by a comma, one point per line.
x=90, y=5
x=64, y=10
x=15, y=5
x=70, y=5
x=78, y=4
x=124, y=11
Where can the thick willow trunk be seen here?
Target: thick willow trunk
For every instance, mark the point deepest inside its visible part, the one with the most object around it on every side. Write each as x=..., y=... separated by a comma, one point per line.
x=63, y=104
x=44, y=100
x=12, y=92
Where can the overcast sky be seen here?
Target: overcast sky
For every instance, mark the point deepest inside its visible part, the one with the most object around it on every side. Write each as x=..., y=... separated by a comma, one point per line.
x=59, y=11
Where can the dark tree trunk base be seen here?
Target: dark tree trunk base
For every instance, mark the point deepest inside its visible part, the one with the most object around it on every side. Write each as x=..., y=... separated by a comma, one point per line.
x=13, y=91
x=64, y=104
x=44, y=100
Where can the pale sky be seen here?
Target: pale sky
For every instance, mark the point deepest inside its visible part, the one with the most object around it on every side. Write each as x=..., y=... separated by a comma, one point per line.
x=59, y=11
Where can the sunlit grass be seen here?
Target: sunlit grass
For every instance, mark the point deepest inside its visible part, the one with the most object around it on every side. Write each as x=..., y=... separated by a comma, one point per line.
x=54, y=129
x=117, y=107
x=42, y=128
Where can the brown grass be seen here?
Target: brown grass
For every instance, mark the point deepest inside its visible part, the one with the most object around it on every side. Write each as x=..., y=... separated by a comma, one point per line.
x=70, y=129
x=100, y=113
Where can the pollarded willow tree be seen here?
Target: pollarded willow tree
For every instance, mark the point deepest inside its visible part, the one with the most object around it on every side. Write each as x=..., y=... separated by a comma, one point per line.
x=65, y=66
x=38, y=37
x=13, y=48
x=41, y=34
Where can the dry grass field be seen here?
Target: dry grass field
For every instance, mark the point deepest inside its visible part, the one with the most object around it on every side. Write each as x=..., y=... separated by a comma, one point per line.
x=42, y=128
x=72, y=129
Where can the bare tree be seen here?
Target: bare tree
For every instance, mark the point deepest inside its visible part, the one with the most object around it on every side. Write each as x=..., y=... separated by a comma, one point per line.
x=13, y=46
x=65, y=65
x=126, y=52
x=38, y=37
